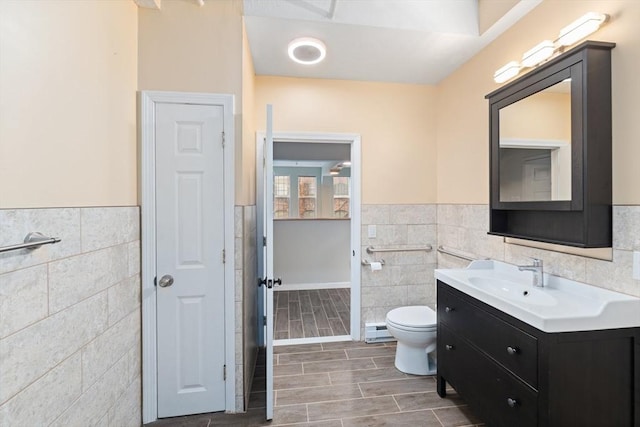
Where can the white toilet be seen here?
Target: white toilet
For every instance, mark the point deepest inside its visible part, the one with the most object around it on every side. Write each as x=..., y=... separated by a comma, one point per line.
x=415, y=329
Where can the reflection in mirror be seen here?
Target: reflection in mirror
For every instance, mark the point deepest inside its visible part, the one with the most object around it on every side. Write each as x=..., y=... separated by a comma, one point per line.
x=535, y=146
x=311, y=189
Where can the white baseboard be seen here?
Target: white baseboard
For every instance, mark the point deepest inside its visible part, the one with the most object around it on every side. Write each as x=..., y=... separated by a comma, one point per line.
x=312, y=340
x=311, y=286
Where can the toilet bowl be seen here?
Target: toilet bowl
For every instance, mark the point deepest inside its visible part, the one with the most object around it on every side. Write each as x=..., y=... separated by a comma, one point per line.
x=414, y=328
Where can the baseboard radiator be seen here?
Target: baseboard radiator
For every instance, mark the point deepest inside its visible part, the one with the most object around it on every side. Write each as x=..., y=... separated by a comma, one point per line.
x=376, y=332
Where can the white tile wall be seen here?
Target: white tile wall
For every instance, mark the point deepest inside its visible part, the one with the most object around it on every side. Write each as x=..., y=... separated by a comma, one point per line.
x=239, y=255
x=23, y=299
x=407, y=277
x=70, y=318
x=464, y=227
x=249, y=299
x=74, y=279
x=246, y=301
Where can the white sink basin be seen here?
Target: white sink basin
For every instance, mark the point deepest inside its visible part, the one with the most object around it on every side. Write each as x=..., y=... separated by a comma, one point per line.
x=562, y=305
x=513, y=291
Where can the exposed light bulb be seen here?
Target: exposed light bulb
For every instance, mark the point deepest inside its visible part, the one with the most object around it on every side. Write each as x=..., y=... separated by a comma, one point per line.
x=538, y=54
x=507, y=72
x=581, y=28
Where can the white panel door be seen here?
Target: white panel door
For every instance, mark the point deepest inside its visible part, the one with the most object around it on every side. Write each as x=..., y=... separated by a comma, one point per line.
x=268, y=260
x=190, y=245
x=536, y=178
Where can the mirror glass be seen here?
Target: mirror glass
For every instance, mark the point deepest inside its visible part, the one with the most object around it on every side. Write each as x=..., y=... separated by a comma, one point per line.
x=311, y=181
x=535, y=146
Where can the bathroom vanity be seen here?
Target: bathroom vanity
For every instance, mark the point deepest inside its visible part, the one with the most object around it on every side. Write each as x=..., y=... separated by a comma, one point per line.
x=565, y=372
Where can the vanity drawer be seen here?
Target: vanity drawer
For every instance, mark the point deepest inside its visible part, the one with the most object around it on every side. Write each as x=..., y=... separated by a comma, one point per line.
x=499, y=398
x=510, y=346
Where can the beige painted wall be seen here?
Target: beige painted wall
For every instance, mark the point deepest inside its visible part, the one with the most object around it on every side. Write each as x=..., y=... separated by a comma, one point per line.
x=522, y=119
x=396, y=123
x=247, y=181
x=67, y=103
x=463, y=131
x=190, y=48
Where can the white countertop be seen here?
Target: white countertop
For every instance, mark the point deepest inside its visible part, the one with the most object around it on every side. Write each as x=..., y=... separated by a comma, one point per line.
x=562, y=305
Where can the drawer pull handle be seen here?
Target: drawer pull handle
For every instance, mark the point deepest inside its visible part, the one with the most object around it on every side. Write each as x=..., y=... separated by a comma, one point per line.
x=449, y=347
x=448, y=309
x=512, y=402
x=513, y=350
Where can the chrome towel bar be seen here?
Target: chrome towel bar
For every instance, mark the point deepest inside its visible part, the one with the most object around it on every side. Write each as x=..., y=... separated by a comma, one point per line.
x=32, y=241
x=426, y=248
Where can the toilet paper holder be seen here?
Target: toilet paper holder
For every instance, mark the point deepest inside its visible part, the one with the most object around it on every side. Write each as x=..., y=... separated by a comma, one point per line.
x=366, y=263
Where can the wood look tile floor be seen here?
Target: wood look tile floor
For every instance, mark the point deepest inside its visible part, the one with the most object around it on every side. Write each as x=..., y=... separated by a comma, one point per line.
x=342, y=384
x=312, y=313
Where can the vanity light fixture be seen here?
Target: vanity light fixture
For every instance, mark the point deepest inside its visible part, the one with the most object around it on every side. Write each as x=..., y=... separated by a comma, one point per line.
x=540, y=53
x=334, y=171
x=569, y=35
x=581, y=28
x=346, y=163
x=507, y=72
x=307, y=50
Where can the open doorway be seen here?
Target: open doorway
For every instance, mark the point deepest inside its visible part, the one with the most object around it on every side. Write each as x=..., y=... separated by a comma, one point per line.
x=316, y=237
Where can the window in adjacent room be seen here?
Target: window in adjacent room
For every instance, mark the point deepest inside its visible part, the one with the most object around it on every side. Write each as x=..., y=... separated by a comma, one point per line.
x=341, y=197
x=307, y=196
x=281, y=196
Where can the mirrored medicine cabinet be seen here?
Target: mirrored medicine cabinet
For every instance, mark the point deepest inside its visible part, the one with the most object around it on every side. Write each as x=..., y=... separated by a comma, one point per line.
x=550, y=139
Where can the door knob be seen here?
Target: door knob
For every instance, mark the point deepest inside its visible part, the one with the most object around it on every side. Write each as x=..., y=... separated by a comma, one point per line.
x=278, y=282
x=166, y=280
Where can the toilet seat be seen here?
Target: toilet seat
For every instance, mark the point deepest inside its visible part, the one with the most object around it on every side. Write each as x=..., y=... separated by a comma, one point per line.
x=417, y=318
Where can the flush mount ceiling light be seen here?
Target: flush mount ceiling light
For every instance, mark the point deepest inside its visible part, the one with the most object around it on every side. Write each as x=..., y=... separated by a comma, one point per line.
x=307, y=50
x=581, y=28
x=569, y=35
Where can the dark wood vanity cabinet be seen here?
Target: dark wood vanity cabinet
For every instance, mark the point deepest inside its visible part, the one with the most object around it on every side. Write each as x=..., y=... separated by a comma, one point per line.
x=512, y=374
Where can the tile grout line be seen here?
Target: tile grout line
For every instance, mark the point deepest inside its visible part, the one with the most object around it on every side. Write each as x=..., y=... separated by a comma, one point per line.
x=437, y=418
x=392, y=413
x=393, y=396
x=360, y=388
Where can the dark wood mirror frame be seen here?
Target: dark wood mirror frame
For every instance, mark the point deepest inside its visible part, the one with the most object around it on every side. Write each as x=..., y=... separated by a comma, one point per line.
x=585, y=220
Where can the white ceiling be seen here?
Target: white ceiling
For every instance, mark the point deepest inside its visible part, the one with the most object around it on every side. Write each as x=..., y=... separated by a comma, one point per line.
x=404, y=41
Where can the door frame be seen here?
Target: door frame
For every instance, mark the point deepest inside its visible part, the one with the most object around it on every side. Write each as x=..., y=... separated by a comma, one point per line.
x=147, y=191
x=356, y=205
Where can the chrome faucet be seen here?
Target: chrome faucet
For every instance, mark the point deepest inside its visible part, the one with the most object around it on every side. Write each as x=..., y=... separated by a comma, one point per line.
x=536, y=268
